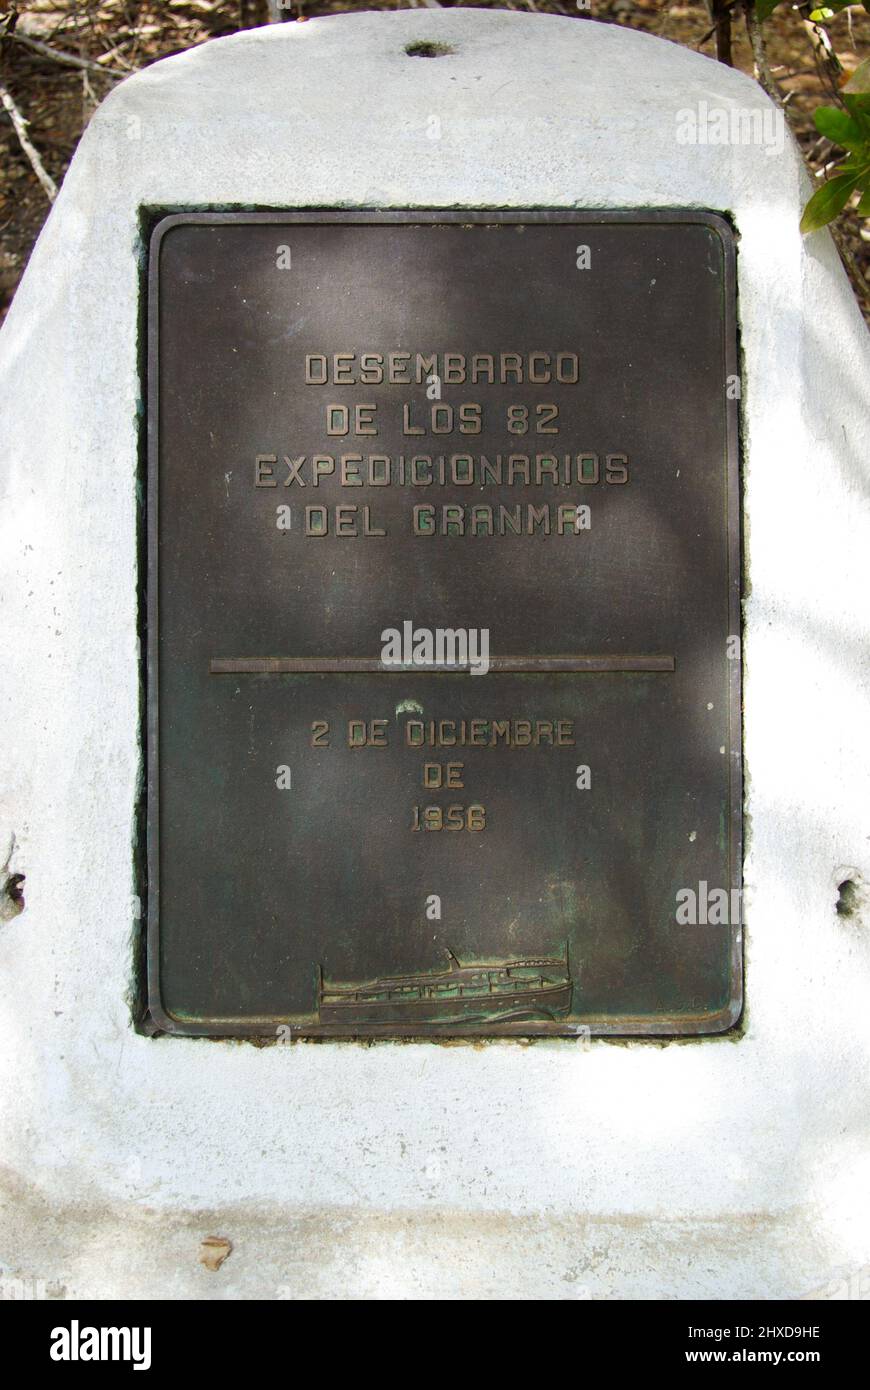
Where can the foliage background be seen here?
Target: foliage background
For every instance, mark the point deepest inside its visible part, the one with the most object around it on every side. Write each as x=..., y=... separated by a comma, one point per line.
x=119, y=36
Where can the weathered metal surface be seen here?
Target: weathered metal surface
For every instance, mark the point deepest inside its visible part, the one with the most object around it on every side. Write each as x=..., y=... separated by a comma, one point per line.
x=342, y=842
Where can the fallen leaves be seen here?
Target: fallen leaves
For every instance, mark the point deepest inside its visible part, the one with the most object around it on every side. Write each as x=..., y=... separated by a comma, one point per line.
x=213, y=1251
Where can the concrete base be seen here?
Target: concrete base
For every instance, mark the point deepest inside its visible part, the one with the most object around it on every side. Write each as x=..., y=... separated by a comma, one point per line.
x=712, y=1168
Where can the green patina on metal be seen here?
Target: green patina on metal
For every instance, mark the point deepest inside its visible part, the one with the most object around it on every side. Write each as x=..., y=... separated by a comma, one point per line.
x=359, y=902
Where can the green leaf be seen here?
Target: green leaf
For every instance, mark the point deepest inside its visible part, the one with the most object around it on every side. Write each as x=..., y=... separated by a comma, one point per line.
x=859, y=82
x=828, y=9
x=863, y=208
x=859, y=108
x=827, y=202
x=765, y=8
x=840, y=127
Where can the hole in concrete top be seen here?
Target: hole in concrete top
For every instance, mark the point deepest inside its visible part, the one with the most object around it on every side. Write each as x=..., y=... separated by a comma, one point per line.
x=12, y=897
x=424, y=49
x=849, y=898
x=11, y=891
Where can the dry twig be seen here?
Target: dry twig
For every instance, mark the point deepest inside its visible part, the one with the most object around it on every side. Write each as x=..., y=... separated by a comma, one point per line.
x=70, y=60
x=24, y=141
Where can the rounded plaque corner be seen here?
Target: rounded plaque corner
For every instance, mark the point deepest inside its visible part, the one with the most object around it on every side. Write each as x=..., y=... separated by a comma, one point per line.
x=164, y=224
x=729, y=1021
x=723, y=225
x=158, y=1022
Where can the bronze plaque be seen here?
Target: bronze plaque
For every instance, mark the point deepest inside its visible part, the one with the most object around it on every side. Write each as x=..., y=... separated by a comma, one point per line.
x=443, y=625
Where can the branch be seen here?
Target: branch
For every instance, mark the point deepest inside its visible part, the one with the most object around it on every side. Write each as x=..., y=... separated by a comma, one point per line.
x=724, y=9
x=69, y=60
x=20, y=125
x=827, y=63
x=846, y=255
x=721, y=14
x=763, y=75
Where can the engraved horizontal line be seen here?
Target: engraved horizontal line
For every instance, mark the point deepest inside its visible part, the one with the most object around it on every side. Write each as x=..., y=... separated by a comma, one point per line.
x=372, y=665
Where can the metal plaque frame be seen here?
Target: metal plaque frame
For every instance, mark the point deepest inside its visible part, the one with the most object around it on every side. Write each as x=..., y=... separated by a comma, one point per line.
x=681, y=1024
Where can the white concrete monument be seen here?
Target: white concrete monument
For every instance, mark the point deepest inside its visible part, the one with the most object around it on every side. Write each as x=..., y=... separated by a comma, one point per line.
x=732, y=1166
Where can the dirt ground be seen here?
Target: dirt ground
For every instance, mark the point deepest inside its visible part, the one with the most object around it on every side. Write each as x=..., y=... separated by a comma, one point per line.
x=118, y=36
